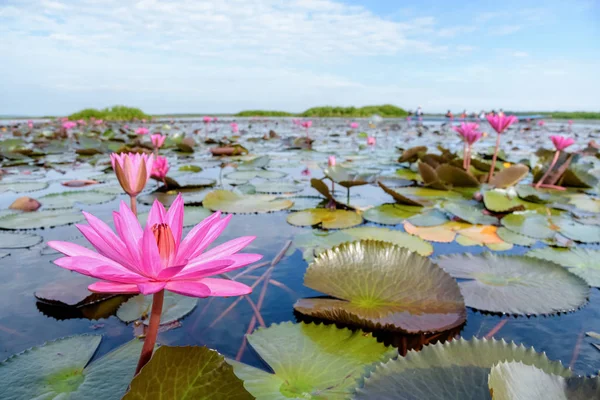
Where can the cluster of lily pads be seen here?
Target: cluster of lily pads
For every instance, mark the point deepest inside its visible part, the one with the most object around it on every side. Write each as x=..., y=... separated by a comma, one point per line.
x=377, y=282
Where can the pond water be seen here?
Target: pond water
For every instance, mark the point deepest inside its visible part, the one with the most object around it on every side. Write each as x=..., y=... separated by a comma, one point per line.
x=27, y=322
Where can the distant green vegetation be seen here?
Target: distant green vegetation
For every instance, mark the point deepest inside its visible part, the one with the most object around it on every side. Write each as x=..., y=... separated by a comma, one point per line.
x=264, y=113
x=115, y=113
x=386, y=111
x=563, y=114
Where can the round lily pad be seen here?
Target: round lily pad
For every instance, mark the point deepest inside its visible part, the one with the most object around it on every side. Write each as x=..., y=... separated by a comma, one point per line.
x=509, y=176
x=452, y=370
x=514, y=238
x=325, y=218
x=445, y=233
x=191, y=195
x=187, y=373
x=530, y=224
x=500, y=202
x=40, y=219
x=70, y=198
x=515, y=284
x=246, y=175
x=10, y=240
x=518, y=381
x=378, y=285
x=482, y=235
x=577, y=231
x=582, y=262
x=192, y=215
x=21, y=187
x=230, y=202
x=431, y=217
x=470, y=213
x=175, y=307
x=59, y=370
x=584, y=202
x=309, y=361
x=391, y=214
x=455, y=176
x=277, y=187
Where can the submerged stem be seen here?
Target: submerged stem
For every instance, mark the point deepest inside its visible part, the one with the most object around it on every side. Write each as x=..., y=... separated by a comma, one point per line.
x=552, y=164
x=493, y=168
x=133, y=203
x=150, y=340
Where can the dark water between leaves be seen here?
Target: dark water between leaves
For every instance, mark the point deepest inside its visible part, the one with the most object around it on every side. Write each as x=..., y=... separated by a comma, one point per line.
x=24, y=322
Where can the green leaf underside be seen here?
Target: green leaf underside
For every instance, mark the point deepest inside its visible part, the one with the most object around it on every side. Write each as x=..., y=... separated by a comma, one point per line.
x=234, y=203
x=175, y=307
x=515, y=284
x=453, y=370
x=325, y=218
x=309, y=361
x=56, y=371
x=378, y=285
x=518, y=381
x=186, y=373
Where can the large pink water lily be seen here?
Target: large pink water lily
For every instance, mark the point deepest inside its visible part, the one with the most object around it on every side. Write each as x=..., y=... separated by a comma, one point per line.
x=561, y=142
x=148, y=260
x=469, y=132
x=500, y=121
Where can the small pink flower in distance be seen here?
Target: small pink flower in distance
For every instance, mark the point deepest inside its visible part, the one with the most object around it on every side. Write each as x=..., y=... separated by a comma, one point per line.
x=69, y=125
x=132, y=170
x=81, y=122
x=541, y=122
x=143, y=120
x=63, y=119
x=160, y=168
x=500, y=122
x=305, y=172
x=570, y=122
x=306, y=124
x=157, y=140
x=215, y=119
x=331, y=161
x=142, y=130
x=409, y=118
x=148, y=260
x=125, y=126
x=234, y=127
x=354, y=125
x=207, y=120
x=30, y=124
x=371, y=140
x=561, y=142
x=99, y=122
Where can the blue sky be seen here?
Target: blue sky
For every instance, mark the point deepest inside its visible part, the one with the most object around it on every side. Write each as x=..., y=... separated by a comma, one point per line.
x=168, y=56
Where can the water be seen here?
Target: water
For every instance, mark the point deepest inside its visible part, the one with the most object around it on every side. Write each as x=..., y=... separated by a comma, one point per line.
x=25, y=271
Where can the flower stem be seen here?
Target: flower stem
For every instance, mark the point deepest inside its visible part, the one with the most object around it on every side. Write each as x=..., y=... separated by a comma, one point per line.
x=552, y=164
x=465, y=156
x=469, y=147
x=493, y=168
x=150, y=340
x=133, y=202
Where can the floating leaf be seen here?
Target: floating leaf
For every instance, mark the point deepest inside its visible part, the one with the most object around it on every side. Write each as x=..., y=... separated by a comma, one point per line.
x=430, y=177
x=20, y=187
x=509, y=176
x=175, y=307
x=10, y=240
x=399, y=198
x=515, y=284
x=455, y=176
x=69, y=199
x=348, y=178
x=309, y=361
x=532, y=195
x=26, y=204
x=190, y=168
x=378, y=285
x=79, y=183
x=576, y=231
x=432, y=217
x=470, y=213
x=187, y=373
x=480, y=235
x=277, y=187
x=497, y=201
x=518, y=381
x=59, y=370
x=325, y=218
x=452, y=370
x=582, y=262
x=441, y=234
x=255, y=163
x=514, y=238
x=390, y=214
x=191, y=195
x=192, y=215
x=585, y=202
x=40, y=219
x=246, y=175
x=234, y=203
x=411, y=155
x=530, y=224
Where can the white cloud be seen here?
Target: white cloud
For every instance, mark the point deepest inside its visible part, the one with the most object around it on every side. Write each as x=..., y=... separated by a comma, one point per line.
x=505, y=30
x=520, y=54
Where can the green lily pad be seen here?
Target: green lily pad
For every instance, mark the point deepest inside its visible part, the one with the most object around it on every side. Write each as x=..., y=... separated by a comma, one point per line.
x=419, y=196
x=309, y=361
x=510, y=176
x=192, y=215
x=325, y=218
x=518, y=381
x=577, y=231
x=390, y=214
x=255, y=163
x=246, y=175
x=70, y=198
x=187, y=373
x=190, y=168
x=455, y=176
x=515, y=284
x=21, y=187
x=532, y=195
x=530, y=224
x=378, y=285
x=348, y=178
x=470, y=213
x=515, y=238
x=584, y=202
x=497, y=201
x=40, y=219
x=408, y=174
x=230, y=202
x=584, y=263
x=432, y=217
x=191, y=195
x=452, y=370
x=59, y=370
x=175, y=307
x=277, y=187
x=10, y=240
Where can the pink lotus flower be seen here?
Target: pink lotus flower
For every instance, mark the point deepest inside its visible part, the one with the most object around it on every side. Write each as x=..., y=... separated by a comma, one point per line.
x=371, y=141
x=125, y=126
x=354, y=125
x=133, y=170
x=468, y=131
x=30, y=124
x=409, y=118
x=331, y=161
x=570, y=122
x=541, y=122
x=215, y=119
x=81, y=122
x=142, y=130
x=63, y=119
x=561, y=142
x=99, y=122
x=69, y=125
x=500, y=122
x=157, y=140
x=305, y=172
x=234, y=127
x=207, y=120
x=306, y=124
x=136, y=260
x=160, y=167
